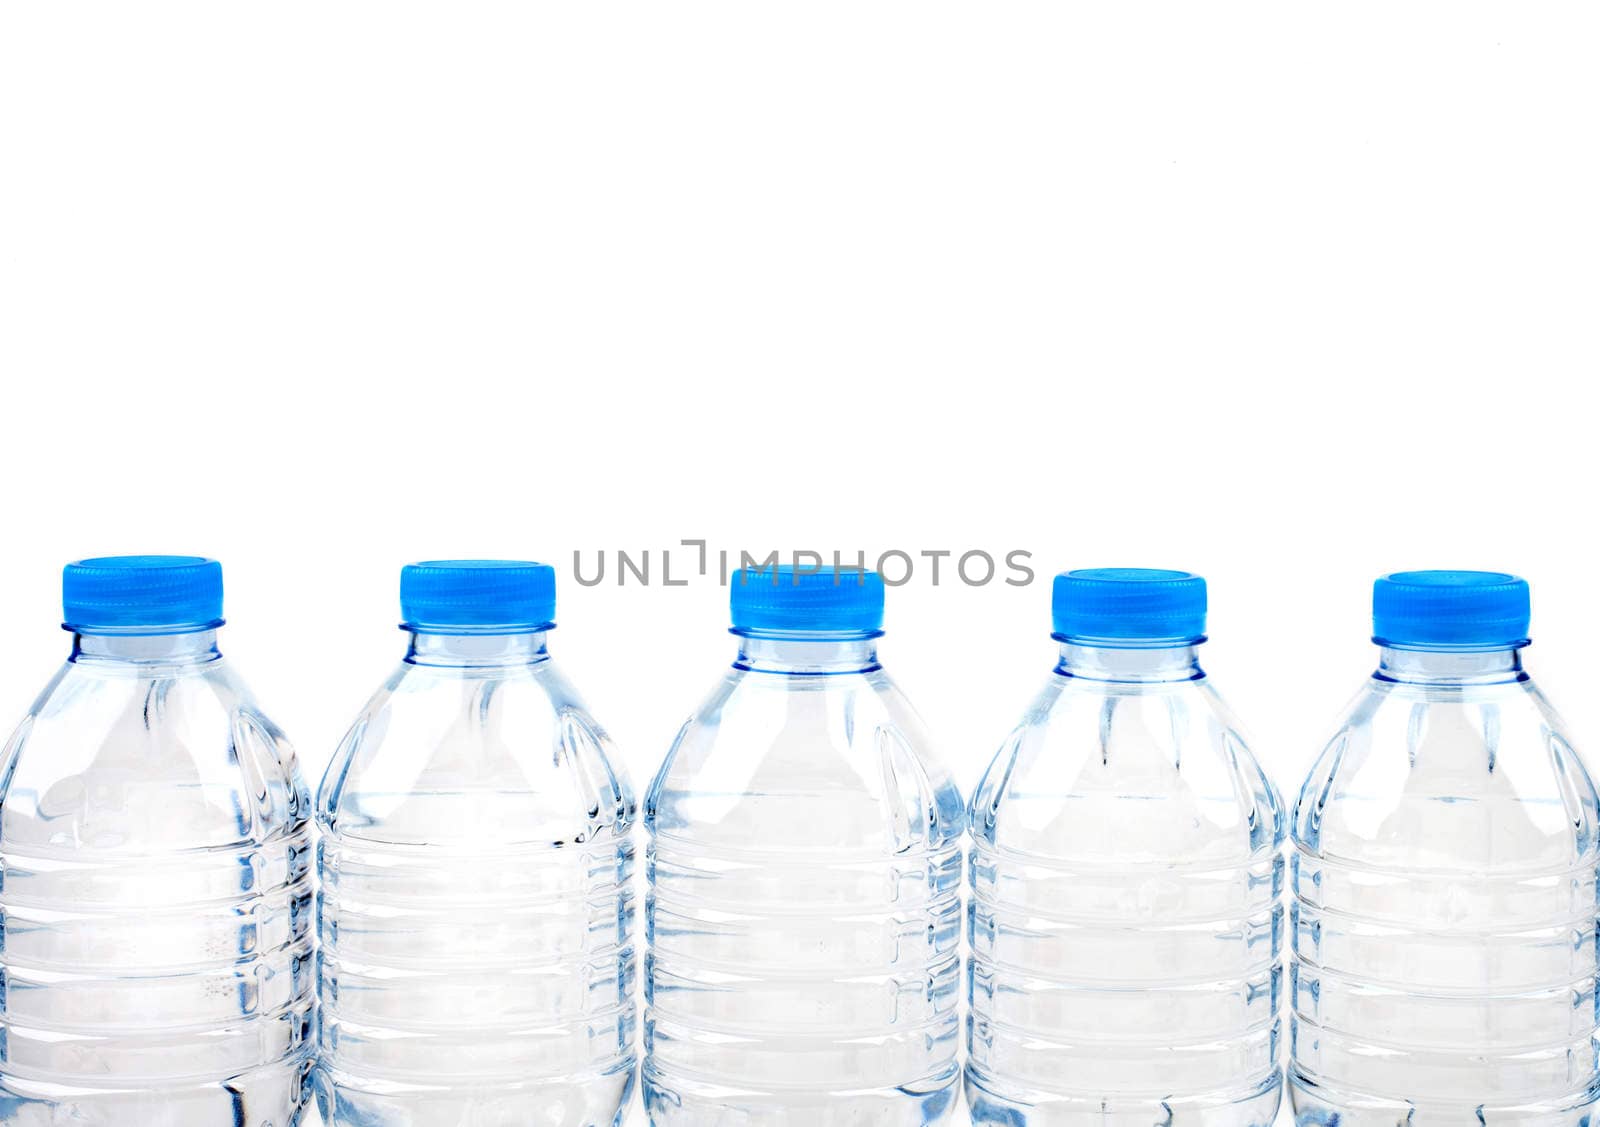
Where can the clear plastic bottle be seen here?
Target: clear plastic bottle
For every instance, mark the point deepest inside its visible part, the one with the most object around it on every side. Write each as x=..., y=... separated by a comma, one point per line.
x=805, y=866
x=476, y=855
x=1127, y=872
x=157, y=950
x=1445, y=881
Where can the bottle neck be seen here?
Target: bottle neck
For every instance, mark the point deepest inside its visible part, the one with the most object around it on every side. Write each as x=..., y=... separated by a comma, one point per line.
x=195, y=647
x=820, y=655
x=1450, y=667
x=478, y=651
x=1106, y=663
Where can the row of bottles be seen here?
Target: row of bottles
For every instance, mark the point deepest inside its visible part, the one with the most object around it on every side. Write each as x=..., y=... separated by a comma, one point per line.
x=168, y=960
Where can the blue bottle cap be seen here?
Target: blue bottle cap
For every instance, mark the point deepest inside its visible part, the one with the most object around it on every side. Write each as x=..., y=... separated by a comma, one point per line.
x=142, y=595
x=477, y=596
x=843, y=603
x=1468, y=610
x=1129, y=607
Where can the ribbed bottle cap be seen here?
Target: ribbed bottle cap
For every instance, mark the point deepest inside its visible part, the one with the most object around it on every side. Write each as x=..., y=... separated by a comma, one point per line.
x=847, y=602
x=142, y=595
x=1129, y=606
x=1450, y=610
x=477, y=596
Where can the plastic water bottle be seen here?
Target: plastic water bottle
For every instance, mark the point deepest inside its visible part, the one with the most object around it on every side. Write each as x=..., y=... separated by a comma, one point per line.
x=1127, y=872
x=476, y=851
x=805, y=868
x=1445, y=881
x=155, y=918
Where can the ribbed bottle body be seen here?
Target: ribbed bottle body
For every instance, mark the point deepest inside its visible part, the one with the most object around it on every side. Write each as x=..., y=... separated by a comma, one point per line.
x=476, y=909
x=803, y=911
x=1444, y=878
x=1126, y=918
x=157, y=949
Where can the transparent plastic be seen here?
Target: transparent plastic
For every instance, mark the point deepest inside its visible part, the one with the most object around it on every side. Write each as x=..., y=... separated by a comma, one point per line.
x=476, y=910
x=157, y=948
x=804, y=903
x=1445, y=900
x=1126, y=915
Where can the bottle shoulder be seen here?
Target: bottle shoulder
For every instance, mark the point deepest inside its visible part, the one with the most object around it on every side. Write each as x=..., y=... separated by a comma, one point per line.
x=504, y=754
x=1128, y=774
x=1480, y=778
x=128, y=757
x=837, y=761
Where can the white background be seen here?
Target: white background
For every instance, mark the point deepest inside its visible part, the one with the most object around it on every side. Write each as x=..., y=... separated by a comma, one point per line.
x=1289, y=295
